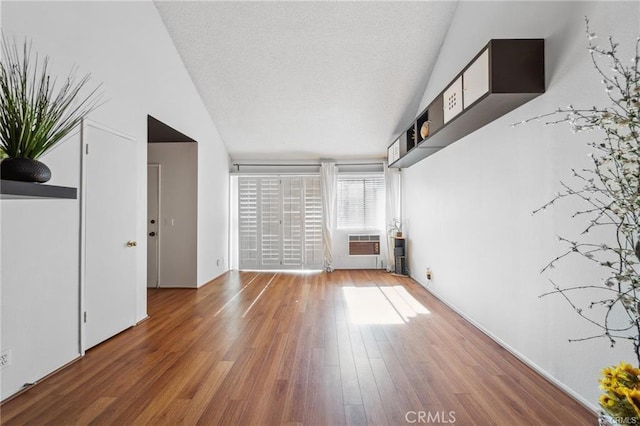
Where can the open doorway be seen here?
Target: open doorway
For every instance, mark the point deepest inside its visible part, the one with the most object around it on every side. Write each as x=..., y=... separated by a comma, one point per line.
x=172, y=191
x=153, y=225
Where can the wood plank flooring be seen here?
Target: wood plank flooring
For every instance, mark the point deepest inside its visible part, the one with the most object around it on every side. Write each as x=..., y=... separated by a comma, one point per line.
x=349, y=347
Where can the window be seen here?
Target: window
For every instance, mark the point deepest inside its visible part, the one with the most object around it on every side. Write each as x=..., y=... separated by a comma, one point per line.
x=279, y=222
x=361, y=201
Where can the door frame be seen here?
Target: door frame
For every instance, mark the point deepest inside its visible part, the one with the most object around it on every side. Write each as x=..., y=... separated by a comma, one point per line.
x=158, y=234
x=82, y=193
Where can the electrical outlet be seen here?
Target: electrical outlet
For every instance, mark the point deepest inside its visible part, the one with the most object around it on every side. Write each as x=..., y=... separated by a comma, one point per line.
x=5, y=358
x=429, y=274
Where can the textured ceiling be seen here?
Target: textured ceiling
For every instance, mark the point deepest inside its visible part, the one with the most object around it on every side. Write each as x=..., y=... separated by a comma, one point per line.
x=308, y=80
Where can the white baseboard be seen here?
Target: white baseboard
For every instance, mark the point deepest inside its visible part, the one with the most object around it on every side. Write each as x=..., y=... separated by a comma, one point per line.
x=515, y=353
x=143, y=319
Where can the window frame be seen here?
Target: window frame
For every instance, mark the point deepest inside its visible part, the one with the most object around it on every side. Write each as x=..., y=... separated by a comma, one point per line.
x=378, y=199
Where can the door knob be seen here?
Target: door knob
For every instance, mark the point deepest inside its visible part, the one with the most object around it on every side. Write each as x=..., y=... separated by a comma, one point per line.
x=152, y=234
x=131, y=244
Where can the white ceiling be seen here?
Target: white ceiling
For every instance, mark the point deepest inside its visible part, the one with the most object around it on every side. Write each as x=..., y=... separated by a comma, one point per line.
x=308, y=80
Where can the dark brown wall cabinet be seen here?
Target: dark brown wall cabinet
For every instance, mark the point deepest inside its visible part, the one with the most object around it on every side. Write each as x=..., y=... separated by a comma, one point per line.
x=504, y=75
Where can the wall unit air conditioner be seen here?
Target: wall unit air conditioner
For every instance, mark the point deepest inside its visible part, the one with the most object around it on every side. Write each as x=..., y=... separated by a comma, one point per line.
x=364, y=245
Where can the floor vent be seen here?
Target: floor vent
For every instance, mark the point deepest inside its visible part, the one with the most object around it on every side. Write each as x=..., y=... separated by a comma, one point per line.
x=364, y=245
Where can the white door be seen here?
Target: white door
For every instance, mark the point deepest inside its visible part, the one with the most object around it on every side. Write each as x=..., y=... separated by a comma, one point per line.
x=109, y=233
x=153, y=219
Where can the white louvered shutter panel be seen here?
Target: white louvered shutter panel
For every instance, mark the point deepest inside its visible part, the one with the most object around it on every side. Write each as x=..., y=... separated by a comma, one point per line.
x=270, y=221
x=312, y=222
x=292, y=215
x=248, y=222
x=280, y=222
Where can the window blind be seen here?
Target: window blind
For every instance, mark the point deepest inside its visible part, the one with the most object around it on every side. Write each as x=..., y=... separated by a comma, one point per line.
x=360, y=202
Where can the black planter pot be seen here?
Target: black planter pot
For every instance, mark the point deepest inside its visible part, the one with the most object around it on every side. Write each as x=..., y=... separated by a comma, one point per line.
x=24, y=170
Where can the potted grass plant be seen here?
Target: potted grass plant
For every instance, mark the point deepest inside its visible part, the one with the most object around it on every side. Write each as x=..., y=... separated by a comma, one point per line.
x=35, y=112
x=395, y=229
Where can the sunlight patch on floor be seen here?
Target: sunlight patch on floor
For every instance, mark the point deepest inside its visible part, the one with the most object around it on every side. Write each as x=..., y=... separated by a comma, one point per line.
x=381, y=305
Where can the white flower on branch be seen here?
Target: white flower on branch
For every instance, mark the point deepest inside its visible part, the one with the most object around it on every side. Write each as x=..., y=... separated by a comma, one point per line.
x=610, y=191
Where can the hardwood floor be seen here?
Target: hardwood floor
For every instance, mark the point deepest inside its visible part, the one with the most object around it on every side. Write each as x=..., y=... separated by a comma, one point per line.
x=349, y=347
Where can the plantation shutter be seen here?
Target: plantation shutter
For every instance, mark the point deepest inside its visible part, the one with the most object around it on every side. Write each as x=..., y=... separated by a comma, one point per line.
x=248, y=222
x=312, y=222
x=292, y=215
x=280, y=222
x=270, y=221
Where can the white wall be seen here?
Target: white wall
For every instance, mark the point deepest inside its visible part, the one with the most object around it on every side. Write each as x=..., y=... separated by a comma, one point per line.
x=126, y=47
x=468, y=207
x=213, y=204
x=39, y=268
x=178, y=233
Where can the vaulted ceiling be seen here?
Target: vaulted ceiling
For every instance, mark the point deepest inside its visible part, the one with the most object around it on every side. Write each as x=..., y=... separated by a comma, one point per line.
x=309, y=80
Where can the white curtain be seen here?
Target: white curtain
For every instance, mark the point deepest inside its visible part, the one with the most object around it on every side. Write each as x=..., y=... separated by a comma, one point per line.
x=328, y=189
x=393, y=192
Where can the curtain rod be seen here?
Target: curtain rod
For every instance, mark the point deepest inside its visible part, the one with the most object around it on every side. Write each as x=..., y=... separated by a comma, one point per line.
x=238, y=165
